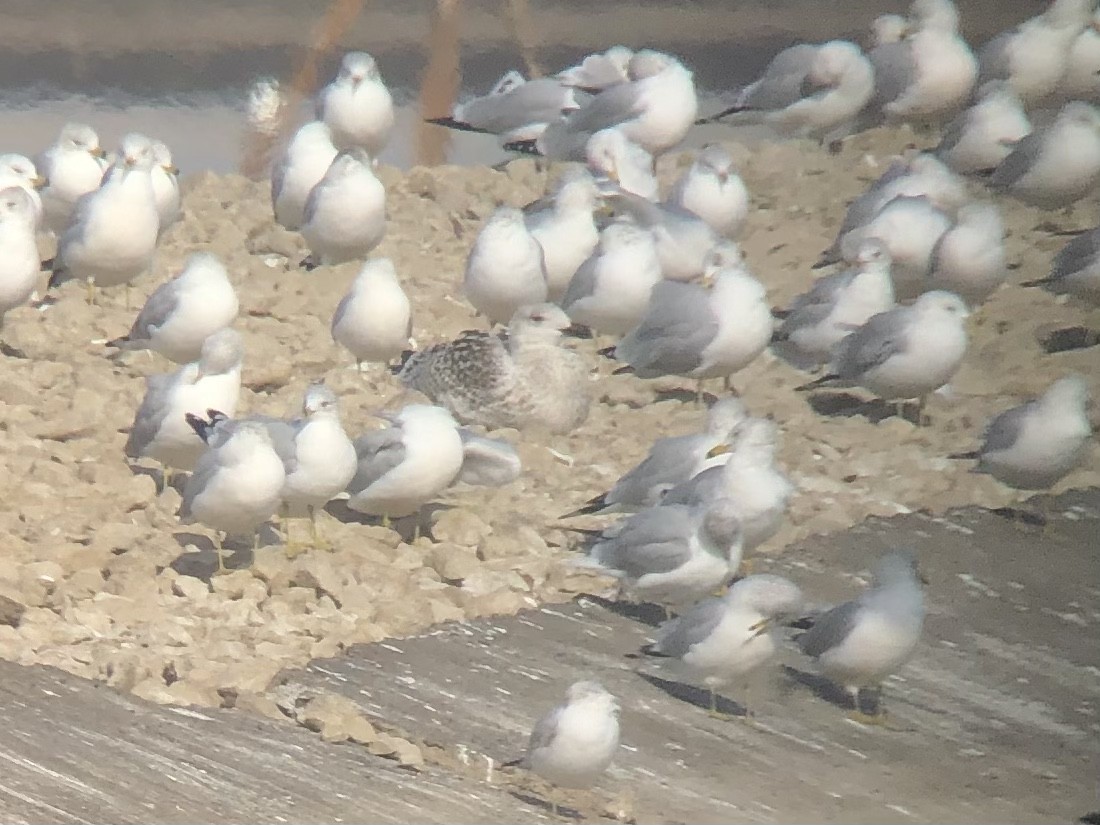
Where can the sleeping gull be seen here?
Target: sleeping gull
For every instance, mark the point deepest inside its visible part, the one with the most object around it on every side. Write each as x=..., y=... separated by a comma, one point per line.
x=1076, y=269
x=907, y=352
x=506, y=268
x=985, y=134
x=572, y=745
x=181, y=314
x=19, y=262
x=73, y=167
x=598, y=71
x=404, y=466
x=357, y=106
x=565, y=228
x=520, y=378
x=19, y=170
x=1035, y=445
x=300, y=167
x=345, y=214
x=611, y=154
x=672, y=460
x=374, y=320
x=969, y=258
x=712, y=189
x=728, y=638
x=859, y=643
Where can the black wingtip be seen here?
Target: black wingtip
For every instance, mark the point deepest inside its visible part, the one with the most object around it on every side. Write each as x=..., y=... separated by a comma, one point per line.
x=593, y=505
x=826, y=259
x=607, y=352
x=973, y=454
x=457, y=125
x=200, y=425
x=732, y=110
x=118, y=343
x=48, y=265
x=627, y=370
x=524, y=147
x=817, y=382
x=578, y=331
x=651, y=650
x=1040, y=282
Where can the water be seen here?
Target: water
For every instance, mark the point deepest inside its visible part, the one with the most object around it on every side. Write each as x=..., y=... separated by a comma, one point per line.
x=180, y=70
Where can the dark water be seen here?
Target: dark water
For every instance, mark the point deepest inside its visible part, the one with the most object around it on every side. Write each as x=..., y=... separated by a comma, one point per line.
x=181, y=70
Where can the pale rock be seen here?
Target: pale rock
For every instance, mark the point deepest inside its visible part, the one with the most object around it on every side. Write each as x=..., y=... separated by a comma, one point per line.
x=459, y=526
x=190, y=588
x=234, y=584
x=453, y=564
x=38, y=580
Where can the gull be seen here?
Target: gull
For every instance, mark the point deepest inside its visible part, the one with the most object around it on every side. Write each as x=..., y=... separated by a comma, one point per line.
x=610, y=290
x=19, y=262
x=236, y=486
x=1035, y=445
x=610, y=154
x=907, y=352
x=160, y=430
x=565, y=229
x=859, y=643
x=700, y=332
x=113, y=232
x=928, y=76
x=728, y=638
x=807, y=91
x=572, y=745
x=599, y=71
x=672, y=554
x=487, y=462
x=19, y=170
x=712, y=189
x=1033, y=56
x=166, y=186
x=403, y=467
x=520, y=378
x=1057, y=165
x=182, y=313
x=1082, y=78
x=837, y=304
x=345, y=214
x=749, y=478
x=506, y=267
x=888, y=28
x=374, y=320
x=969, y=258
x=300, y=167
x=1076, y=269
x=357, y=106
x=515, y=109
x=985, y=134
x=671, y=461
x=73, y=166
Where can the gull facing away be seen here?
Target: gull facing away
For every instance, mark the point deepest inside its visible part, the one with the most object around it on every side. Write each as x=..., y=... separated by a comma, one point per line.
x=1076, y=270
x=404, y=466
x=712, y=189
x=612, y=156
x=345, y=214
x=969, y=258
x=565, y=228
x=728, y=638
x=980, y=138
x=374, y=320
x=572, y=745
x=1035, y=445
x=672, y=460
x=357, y=106
x=859, y=643
x=19, y=262
x=598, y=71
x=73, y=166
x=905, y=353
x=520, y=378
x=182, y=313
x=300, y=167
x=506, y=268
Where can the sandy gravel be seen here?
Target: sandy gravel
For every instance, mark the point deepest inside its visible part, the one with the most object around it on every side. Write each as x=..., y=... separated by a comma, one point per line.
x=101, y=580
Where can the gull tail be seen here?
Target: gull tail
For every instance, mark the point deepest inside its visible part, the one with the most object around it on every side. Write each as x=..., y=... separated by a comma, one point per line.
x=457, y=125
x=607, y=352
x=823, y=381
x=627, y=370
x=652, y=650
x=524, y=147
x=593, y=505
x=204, y=428
x=406, y=355
x=973, y=454
x=1040, y=282
x=828, y=258
x=122, y=342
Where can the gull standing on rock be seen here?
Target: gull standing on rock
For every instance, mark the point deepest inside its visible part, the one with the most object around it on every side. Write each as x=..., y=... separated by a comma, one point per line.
x=345, y=214
x=166, y=186
x=19, y=263
x=611, y=289
x=969, y=259
x=905, y=353
x=357, y=106
x=1057, y=165
x=404, y=466
x=984, y=135
x=181, y=314
x=300, y=167
x=374, y=320
x=861, y=642
x=1035, y=445
x=113, y=232
x=73, y=166
x=520, y=378
x=728, y=638
x=160, y=430
x=236, y=486
x=1076, y=270
x=19, y=170
x=576, y=742
x=672, y=461
x=566, y=229
x=611, y=155
x=506, y=267
x=712, y=189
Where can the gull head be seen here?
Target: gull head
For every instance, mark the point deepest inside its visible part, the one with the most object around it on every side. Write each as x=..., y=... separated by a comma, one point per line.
x=19, y=166
x=318, y=399
x=376, y=270
x=943, y=303
x=592, y=693
x=16, y=205
x=136, y=152
x=871, y=252
x=576, y=190
x=605, y=150
x=623, y=234
x=768, y=594
x=832, y=62
x=357, y=67
x=897, y=568
x=725, y=254
x=79, y=137
x=350, y=162
x=648, y=63
x=726, y=416
x=716, y=161
x=935, y=15
x=221, y=353
x=888, y=28
x=1082, y=114
x=162, y=156
x=549, y=319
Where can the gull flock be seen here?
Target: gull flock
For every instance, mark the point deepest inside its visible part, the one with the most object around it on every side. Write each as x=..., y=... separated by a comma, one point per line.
x=662, y=282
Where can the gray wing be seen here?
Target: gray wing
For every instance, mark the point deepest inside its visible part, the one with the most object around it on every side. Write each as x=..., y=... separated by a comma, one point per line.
x=379, y=451
x=811, y=308
x=644, y=212
x=1004, y=430
x=952, y=134
x=542, y=735
x=583, y=282
x=150, y=415
x=205, y=470
x=278, y=176
x=670, y=339
x=536, y=101
x=487, y=462
x=781, y=83
x=700, y=488
x=652, y=541
x=283, y=436
x=830, y=629
x=680, y=635
x=341, y=309
x=993, y=59
x=894, y=71
x=160, y=305
x=882, y=337
x=609, y=108
x=670, y=461
x=1076, y=256
x=1019, y=161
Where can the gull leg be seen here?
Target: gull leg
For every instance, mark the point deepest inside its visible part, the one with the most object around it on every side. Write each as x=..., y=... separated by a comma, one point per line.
x=292, y=548
x=165, y=479
x=899, y=408
x=315, y=536
x=386, y=521
x=699, y=393
x=89, y=285
x=921, y=422
x=713, y=710
x=219, y=552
